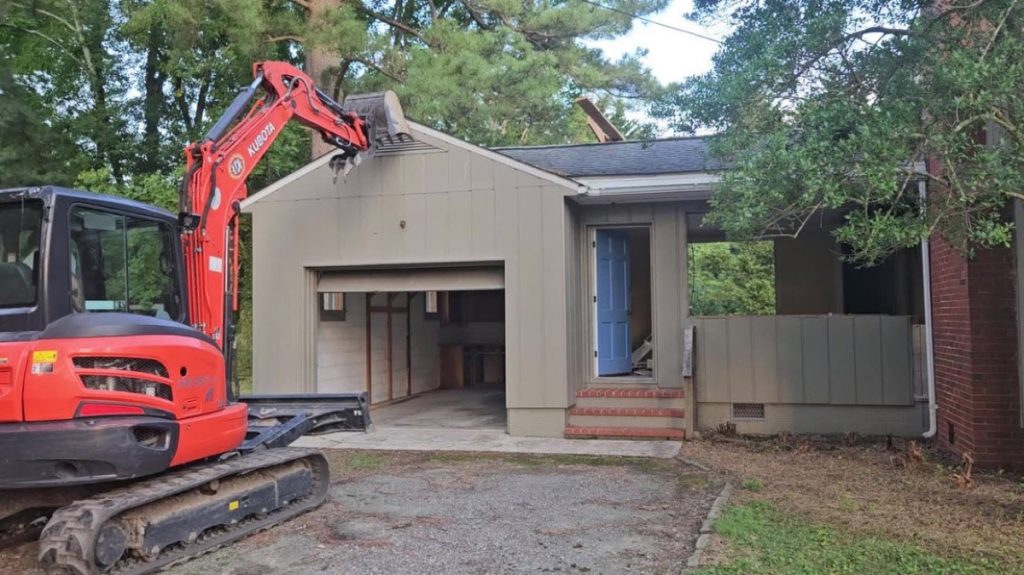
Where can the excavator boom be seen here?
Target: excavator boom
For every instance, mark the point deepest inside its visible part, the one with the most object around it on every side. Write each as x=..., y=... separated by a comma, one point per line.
x=218, y=166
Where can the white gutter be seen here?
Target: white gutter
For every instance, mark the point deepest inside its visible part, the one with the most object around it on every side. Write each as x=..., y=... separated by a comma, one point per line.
x=640, y=185
x=929, y=339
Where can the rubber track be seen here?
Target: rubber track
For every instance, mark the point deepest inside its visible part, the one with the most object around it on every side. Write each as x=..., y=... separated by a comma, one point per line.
x=66, y=544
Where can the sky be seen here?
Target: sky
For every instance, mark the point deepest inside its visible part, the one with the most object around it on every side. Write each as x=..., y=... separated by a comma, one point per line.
x=671, y=55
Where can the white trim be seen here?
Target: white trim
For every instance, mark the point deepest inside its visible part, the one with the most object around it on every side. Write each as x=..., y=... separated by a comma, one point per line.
x=696, y=186
x=419, y=129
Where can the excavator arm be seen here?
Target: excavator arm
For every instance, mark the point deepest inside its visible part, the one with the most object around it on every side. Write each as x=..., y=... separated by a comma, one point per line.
x=218, y=166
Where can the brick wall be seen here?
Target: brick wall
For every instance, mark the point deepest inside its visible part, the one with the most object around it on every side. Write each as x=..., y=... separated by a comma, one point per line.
x=975, y=336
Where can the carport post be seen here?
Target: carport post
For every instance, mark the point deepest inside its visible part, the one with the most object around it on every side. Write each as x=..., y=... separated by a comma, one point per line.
x=369, y=351
x=408, y=344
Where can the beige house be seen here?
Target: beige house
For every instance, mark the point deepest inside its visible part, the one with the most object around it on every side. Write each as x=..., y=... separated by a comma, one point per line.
x=558, y=276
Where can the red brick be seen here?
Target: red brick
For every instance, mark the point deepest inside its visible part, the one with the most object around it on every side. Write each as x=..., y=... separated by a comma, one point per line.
x=975, y=332
x=628, y=411
x=645, y=432
x=630, y=392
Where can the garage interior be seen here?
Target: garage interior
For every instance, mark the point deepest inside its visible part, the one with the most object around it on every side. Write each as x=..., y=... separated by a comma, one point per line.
x=425, y=357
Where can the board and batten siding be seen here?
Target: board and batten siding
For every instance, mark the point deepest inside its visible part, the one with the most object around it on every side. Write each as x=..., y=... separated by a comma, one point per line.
x=863, y=360
x=443, y=206
x=669, y=297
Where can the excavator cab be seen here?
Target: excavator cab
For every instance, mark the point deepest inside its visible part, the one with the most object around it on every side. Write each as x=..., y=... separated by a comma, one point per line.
x=98, y=364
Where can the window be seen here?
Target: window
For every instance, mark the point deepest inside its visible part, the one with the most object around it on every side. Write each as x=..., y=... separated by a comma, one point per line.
x=20, y=225
x=332, y=306
x=123, y=263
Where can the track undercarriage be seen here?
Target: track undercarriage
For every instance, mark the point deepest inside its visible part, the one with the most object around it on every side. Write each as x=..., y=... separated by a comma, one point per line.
x=141, y=526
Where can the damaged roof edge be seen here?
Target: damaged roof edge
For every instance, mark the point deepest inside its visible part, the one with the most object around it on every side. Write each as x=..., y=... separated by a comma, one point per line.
x=419, y=129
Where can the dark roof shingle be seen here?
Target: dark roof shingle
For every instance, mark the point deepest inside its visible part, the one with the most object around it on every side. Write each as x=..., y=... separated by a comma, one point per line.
x=647, y=157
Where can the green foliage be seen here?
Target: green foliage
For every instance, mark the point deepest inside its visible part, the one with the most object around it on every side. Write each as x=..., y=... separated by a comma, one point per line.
x=829, y=105
x=732, y=278
x=752, y=484
x=770, y=543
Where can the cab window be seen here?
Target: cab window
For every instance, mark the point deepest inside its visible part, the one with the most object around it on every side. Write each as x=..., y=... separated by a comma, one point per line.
x=122, y=263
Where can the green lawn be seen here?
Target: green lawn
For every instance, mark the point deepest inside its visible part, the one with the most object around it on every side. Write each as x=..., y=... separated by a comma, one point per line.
x=762, y=540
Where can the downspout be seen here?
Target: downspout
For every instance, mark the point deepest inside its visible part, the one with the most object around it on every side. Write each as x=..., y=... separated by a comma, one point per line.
x=929, y=340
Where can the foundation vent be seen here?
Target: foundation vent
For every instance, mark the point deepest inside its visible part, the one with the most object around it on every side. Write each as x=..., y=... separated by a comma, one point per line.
x=748, y=411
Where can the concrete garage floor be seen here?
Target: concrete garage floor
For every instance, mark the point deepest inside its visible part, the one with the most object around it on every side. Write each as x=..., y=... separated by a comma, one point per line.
x=469, y=419
x=398, y=513
x=466, y=408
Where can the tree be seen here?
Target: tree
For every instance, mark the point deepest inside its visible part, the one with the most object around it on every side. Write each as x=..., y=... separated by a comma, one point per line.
x=830, y=105
x=732, y=278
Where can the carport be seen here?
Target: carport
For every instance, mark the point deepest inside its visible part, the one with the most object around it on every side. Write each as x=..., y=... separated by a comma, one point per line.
x=427, y=344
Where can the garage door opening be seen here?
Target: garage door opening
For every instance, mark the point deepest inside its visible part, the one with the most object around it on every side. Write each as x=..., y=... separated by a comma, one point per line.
x=426, y=358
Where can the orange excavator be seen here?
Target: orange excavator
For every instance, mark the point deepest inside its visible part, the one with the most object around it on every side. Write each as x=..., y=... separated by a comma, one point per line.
x=124, y=445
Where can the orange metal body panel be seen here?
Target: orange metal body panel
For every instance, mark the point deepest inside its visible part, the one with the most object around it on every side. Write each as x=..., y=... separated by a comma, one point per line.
x=195, y=369
x=13, y=363
x=213, y=434
x=54, y=390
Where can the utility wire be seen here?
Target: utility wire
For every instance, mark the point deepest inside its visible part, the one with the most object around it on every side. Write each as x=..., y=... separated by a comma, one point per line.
x=649, y=21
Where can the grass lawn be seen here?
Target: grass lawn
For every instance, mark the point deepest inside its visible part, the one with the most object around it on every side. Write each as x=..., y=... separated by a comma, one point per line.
x=806, y=507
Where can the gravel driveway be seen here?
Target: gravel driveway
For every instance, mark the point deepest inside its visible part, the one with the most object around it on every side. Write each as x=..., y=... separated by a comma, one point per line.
x=395, y=513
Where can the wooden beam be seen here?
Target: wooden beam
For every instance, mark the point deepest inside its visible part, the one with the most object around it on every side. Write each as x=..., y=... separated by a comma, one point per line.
x=369, y=351
x=602, y=127
x=388, y=352
x=408, y=343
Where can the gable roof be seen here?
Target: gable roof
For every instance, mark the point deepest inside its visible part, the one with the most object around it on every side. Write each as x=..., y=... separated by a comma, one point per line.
x=629, y=158
x=423, y=137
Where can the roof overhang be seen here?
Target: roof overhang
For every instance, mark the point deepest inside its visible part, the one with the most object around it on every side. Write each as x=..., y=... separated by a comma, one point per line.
x=641, y=188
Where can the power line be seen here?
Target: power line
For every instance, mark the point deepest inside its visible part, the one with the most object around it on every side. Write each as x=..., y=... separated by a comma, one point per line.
x=655, y=22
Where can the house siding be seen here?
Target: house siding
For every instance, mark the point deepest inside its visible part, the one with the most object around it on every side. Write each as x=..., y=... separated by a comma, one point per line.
x=438, y=207
x=667, y=222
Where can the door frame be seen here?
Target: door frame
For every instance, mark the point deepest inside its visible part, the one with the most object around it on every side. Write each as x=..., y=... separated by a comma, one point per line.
x=591, y=298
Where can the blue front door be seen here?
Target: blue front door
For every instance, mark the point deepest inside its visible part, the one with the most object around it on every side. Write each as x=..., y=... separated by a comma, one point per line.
x=612, y=254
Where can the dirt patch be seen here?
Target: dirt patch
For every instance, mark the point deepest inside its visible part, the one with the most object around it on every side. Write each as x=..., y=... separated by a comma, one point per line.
x=392, y=512
x=886, y=488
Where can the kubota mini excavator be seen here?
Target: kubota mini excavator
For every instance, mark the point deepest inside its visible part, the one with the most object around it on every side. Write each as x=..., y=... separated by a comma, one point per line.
x=120, y=429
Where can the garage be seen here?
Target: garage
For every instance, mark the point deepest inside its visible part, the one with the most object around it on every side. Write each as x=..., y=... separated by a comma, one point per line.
x=427, y=345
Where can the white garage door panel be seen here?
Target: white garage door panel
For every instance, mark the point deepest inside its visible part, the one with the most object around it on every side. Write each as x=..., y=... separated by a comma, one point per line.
x=491, y=278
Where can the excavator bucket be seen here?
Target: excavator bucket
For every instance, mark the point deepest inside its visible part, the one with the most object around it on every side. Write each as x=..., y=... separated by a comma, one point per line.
x=383, y=112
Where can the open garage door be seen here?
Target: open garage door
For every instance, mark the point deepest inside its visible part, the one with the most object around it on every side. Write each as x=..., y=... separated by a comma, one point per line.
x=402, y=332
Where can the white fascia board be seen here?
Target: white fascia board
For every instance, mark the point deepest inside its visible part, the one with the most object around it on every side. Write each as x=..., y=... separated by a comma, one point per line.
x=631, y=186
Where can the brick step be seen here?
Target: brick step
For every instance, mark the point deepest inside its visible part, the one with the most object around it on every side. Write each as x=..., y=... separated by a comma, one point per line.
x=641, y=402
x=629, y=411
x=579, y=432
x=626, y=421
x=630, y=392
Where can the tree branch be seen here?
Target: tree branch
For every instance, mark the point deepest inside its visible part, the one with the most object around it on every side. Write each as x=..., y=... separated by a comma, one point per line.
x=288, y=37
x=475, y=16
x=999, y=27
x=48, y=39
x=393, y=23
x=378, y=68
